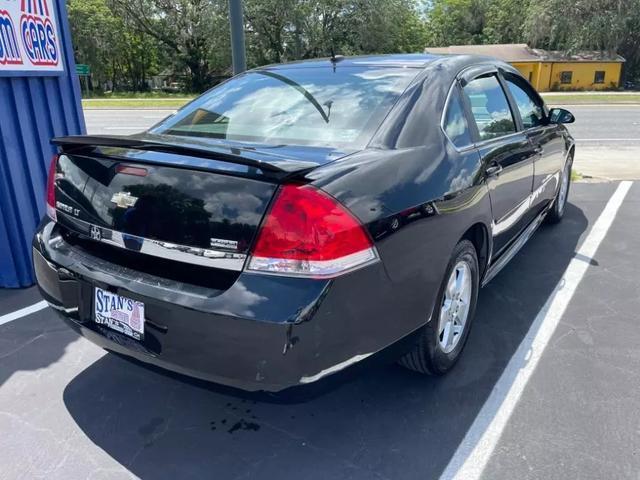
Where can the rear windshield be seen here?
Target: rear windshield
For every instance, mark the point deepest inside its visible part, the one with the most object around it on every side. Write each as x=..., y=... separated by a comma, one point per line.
x=298, y=106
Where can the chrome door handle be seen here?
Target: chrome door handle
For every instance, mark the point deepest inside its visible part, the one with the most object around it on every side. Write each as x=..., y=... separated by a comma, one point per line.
x=493, y=169
x=538, y=150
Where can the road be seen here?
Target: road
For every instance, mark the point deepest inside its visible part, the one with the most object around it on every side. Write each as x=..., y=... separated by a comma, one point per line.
x=68, y=410
x=608, y=137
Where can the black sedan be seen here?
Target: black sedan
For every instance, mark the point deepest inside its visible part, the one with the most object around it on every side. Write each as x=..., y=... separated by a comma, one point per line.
x=300, y=218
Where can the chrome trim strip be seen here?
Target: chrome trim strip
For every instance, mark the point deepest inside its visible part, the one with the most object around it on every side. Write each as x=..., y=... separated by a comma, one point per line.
x=511, y=218
x=504, y=259
x=203, y=257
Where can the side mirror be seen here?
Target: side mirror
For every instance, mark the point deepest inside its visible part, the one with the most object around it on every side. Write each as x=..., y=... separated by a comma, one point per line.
x=560, y=115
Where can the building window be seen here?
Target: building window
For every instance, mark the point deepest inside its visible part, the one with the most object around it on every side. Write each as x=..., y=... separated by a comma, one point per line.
x=565, y=77
x=599, y=76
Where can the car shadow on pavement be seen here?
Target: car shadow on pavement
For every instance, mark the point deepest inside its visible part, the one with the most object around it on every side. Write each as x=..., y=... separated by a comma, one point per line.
x=32, y=342
x=385, y=421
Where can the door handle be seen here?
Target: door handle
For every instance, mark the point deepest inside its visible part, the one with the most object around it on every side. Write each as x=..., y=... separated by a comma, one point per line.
x=538, y=150
x=493, y=169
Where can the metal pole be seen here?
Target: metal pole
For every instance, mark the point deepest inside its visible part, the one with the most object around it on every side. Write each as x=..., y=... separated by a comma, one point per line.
x=236, y=22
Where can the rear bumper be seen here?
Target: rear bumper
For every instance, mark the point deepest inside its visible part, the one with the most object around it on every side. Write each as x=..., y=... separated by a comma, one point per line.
x=264, y=333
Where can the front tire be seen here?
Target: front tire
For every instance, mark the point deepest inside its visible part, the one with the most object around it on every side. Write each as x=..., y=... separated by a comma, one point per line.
x=557, y=210
x=441, y=341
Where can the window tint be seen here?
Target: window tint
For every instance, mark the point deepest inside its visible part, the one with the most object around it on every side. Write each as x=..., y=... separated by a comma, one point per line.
x=566, y=77
x=530, y=108
x=490, y=107
x=455, y=123
x=599, y=76
x=298, y=106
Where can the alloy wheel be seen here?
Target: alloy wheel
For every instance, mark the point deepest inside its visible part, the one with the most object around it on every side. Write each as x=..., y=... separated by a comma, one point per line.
x=455, y=307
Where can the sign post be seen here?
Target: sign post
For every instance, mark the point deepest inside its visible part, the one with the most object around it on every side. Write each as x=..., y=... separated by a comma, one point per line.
x=83, y=70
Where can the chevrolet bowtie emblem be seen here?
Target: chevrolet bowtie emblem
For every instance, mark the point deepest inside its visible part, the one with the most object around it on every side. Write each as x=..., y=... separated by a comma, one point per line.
x=124, y=199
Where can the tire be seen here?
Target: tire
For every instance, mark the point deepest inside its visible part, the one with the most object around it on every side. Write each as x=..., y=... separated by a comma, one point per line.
x=433, y=354
x=560, y=201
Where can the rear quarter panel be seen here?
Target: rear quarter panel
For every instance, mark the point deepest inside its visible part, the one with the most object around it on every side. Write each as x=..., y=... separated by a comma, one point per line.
x=416, y=203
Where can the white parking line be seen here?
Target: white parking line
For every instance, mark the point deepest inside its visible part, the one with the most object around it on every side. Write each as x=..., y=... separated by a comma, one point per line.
x=23, y=312
x=473, y=453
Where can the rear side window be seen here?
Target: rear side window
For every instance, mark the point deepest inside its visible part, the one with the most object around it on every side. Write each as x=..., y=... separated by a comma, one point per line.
x=490, y=107
x=455, y=122
x=529, y=106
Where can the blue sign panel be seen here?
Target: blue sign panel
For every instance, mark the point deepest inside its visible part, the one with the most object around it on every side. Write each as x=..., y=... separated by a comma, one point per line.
x=39, y=99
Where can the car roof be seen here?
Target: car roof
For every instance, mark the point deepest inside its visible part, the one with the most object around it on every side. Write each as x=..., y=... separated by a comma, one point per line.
x=407, y=60
x=396, y=60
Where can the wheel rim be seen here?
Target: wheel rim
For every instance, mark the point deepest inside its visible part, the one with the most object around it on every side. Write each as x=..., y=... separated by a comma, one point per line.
x=564, y=188
x=455, y=307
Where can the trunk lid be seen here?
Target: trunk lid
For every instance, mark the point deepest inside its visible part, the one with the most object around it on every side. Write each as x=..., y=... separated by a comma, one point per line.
x=183, y=200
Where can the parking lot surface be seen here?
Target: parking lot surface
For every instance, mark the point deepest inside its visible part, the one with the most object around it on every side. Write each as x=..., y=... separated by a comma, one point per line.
x=75, y=412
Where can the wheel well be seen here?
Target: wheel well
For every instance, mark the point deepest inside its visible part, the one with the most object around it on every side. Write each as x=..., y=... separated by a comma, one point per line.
x=479, y=236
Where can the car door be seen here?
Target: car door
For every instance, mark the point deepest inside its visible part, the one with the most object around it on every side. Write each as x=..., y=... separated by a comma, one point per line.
x=506, y=154
x=546, y=139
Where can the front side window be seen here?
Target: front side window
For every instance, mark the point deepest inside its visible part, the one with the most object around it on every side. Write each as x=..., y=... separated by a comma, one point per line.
x=566, y=77
x=490, y=107
x=599, y=76
x=296, y=106
x=529, y=106
x=455, y=122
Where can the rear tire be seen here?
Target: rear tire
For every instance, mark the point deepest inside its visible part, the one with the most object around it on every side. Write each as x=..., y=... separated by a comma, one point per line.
x=559, y=203
x=441, y=341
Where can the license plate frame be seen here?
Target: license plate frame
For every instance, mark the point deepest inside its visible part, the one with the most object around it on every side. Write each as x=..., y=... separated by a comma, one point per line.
x=119, y=313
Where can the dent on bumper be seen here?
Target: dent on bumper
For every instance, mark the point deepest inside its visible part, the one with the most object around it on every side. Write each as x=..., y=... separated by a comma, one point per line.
x=264, y=333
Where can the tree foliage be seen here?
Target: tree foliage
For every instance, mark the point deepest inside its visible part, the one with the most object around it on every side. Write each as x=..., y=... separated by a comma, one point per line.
x=612, y=26
x=127, y=41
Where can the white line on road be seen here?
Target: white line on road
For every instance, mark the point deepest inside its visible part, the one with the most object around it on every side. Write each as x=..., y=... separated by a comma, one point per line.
x=603, y=105
x=23, y=312
x=473, y=453
x=607, y=139
x=127, y=128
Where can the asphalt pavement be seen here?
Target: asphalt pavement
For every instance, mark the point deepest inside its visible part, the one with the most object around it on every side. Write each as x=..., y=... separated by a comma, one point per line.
x=607, y=136
x=69, y=410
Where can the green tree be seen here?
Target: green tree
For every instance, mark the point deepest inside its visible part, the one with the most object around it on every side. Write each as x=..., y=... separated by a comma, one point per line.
x=611, y=26
x=193, y=31
x=292, y=29
x=504, y=21
x=116, y=52
x=456, y=22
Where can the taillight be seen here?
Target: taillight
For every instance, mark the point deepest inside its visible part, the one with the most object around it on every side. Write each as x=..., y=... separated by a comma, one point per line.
x=51, y=188
x=308, y=233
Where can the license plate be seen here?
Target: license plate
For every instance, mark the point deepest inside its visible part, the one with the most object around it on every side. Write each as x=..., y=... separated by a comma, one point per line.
x=119, y=313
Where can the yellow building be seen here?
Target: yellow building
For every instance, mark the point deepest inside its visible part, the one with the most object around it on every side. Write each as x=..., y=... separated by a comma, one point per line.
x=550, y=70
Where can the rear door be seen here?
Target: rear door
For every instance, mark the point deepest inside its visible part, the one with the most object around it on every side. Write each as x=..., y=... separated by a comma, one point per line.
x=506, y=153
x=545, y=138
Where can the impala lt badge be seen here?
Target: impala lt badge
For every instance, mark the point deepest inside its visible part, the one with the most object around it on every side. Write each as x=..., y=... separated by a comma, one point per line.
x=124, y=199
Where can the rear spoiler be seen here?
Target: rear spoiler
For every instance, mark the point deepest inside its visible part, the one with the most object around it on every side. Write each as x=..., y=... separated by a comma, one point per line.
x=237, y=155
